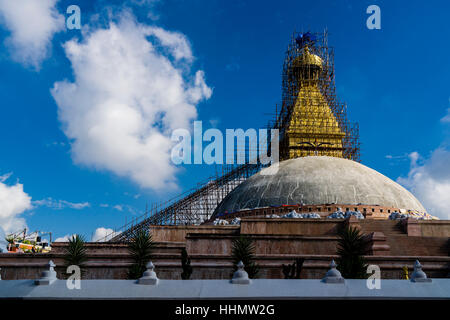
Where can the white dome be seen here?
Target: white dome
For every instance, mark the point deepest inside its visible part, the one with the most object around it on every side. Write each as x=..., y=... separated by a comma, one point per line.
x=319, y=180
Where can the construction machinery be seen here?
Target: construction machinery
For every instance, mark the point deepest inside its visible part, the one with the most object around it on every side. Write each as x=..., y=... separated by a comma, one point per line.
x=32, y=242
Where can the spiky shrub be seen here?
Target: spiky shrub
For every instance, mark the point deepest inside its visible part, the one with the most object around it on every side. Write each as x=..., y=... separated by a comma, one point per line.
x=352, y=246
x=243, y=249
x=75, y=253
x=292, y=271
x=186, y=265
x=140, y=249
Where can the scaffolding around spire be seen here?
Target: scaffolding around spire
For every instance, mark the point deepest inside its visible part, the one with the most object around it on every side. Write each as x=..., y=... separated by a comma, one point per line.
x=311, y=119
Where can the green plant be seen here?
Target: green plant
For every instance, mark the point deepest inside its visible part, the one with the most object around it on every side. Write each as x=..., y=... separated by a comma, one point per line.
x=10, y=239
x=140, y=248
x=75, y=253
x=352, y=246
x=243, y=249
x=292, y=271
x=186, y=265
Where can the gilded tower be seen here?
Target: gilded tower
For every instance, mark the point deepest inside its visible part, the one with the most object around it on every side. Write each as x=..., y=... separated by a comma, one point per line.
x=311, y=120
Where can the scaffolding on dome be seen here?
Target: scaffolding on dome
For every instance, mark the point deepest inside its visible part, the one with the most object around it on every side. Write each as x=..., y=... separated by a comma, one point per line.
x=310, y=121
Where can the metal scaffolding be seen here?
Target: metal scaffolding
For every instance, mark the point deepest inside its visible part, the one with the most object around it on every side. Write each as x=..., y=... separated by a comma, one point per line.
x=192, y=207
x=310, y=120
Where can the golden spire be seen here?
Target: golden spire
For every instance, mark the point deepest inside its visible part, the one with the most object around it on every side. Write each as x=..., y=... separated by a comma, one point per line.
x=313, y=128
x=308, y=59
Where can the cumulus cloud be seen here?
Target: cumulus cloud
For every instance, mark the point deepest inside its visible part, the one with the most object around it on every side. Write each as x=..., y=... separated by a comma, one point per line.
x=66, y=238
x=13, y=202
x=32, y=24
x=103, y=234
x=60, y=204
x=430, y=182
x=132, y=87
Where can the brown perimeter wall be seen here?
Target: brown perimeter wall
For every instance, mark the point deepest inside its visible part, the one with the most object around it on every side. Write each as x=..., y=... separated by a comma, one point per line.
x=394, y=244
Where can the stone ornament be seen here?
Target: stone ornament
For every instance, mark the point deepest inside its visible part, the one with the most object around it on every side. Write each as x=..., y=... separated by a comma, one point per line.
x=240, y=276
x=149, y=276
x=418, y=275
x=333, y=275
x=47, y=276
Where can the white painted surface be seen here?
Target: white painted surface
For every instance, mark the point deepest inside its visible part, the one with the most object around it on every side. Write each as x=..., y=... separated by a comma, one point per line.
x=223, y=289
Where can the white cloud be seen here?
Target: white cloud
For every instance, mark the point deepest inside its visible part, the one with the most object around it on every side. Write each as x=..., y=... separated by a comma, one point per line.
x=144, y=2
x=5, y=176
x=175, y=42
x=398, y=158
x=60, y=204
x=430, y=182
x=13, y=202
x=32, y=24
x=446, y=118
x=132, y=88
x=413, y=157
x=118, y=207
x=56, y=144
x=101, y=233
x=121, y=208
x=149, y=5
x=65, y=238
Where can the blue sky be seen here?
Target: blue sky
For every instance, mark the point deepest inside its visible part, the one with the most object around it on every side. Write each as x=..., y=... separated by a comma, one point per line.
x=394, y=80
